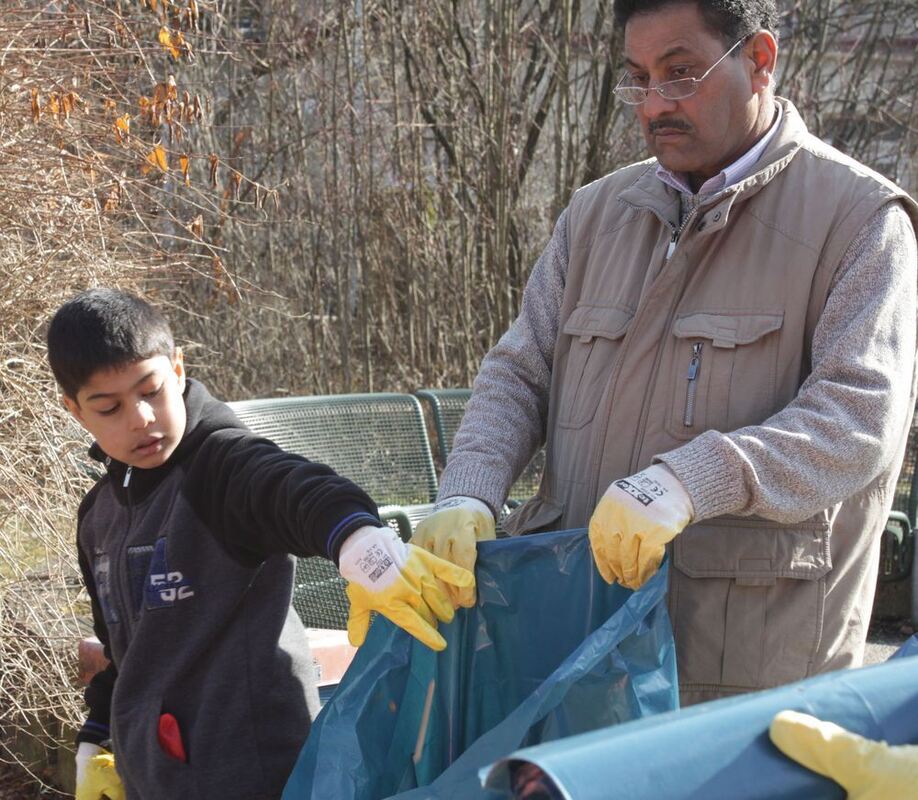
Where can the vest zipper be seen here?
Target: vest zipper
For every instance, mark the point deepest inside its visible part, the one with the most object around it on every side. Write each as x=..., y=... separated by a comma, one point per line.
x=677, y=232
x=688, y=418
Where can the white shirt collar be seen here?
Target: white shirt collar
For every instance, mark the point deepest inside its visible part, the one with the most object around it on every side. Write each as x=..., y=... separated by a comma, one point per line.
x=729, y=175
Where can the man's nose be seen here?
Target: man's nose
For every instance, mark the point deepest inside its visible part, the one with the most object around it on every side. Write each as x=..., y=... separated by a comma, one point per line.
x=656, y=106
x=143, y=415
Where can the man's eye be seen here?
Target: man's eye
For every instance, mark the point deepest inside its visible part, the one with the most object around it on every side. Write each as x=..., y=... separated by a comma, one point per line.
x=637, y=80
x=681, y=72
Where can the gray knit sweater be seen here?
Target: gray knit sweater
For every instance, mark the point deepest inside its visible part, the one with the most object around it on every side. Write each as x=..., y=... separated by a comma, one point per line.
x=831, y=441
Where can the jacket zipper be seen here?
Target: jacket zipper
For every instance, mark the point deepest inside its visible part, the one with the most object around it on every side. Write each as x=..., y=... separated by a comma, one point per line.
x=126, y=604
x=694, y=367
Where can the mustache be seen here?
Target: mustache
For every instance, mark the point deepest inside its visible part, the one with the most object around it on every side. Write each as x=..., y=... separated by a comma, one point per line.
x=667, y=124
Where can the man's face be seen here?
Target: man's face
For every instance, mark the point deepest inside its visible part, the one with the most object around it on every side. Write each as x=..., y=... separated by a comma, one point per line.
x=701, y=134
x=136, y=412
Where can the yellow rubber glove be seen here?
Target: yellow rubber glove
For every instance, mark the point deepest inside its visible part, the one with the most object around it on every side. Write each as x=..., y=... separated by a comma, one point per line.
x=867, y=770
x=96, y=777
x=632, y=523
x=400, y=581
x=452, y=532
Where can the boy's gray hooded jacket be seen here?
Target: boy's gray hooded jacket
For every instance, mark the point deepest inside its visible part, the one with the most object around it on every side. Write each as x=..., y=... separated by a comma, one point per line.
x=190, y=584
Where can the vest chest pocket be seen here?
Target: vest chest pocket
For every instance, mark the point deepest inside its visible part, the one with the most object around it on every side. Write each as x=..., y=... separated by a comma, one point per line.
x=723, y=371
x=597, y=332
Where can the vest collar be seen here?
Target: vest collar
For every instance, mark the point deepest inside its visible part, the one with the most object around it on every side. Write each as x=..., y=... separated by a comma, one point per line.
x=650, y=193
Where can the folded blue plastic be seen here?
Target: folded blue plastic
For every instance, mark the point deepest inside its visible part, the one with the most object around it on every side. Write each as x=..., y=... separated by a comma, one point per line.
x=721, y=749
x=550, y=650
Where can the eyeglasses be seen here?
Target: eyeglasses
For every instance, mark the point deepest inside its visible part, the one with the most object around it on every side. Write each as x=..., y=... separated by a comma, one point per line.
x=669, y=90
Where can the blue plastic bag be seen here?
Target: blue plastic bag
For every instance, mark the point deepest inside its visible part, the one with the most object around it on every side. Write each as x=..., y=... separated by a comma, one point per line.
x=721, y=750
x=550, y=650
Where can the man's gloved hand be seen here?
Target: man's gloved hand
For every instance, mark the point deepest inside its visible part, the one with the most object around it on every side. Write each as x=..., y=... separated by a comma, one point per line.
x=867, y=770
x=452, y=532
x=400, y=581
x=634, y=520
x=96, y=777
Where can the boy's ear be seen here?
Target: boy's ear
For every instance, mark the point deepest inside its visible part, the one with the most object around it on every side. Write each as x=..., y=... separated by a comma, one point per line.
x=74, y=408
x=178, y=366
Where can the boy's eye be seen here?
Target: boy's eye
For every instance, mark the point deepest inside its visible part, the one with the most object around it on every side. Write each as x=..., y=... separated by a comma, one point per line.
x=155, y=391
x=107, y=412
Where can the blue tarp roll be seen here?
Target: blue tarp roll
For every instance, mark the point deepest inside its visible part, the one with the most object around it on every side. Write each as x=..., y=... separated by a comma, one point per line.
x=721, y=749
x=550, y=650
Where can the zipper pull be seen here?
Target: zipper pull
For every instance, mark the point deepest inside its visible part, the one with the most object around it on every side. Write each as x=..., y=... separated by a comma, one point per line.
x=672, y=244
x=695, y=363
x=688, y=419
x=127, y=477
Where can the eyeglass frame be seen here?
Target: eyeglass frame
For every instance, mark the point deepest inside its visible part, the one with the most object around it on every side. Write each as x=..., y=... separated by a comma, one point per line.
x=619, y=89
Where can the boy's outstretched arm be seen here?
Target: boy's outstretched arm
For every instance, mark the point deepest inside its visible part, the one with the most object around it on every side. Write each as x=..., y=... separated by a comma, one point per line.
x=259, y=500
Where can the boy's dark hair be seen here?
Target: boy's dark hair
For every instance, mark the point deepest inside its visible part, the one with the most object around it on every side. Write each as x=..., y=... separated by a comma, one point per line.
x=730, y=19
x=101, y=329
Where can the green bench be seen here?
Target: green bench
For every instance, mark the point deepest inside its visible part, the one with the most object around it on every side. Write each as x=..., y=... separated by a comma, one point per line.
x=446, y=408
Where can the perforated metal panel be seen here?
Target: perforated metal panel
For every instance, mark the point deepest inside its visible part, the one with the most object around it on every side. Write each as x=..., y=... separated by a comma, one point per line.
x=377, y=440
x=447, y=407
x=906, y=499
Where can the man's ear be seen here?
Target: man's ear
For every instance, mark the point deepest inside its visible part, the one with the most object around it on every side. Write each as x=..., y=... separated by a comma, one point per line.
x=74, y=408
x=178, y=367
x=763, y=50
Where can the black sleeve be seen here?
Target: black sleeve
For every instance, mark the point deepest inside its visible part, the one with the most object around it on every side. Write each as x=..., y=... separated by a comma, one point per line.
x=259, y=500
x=98, y=694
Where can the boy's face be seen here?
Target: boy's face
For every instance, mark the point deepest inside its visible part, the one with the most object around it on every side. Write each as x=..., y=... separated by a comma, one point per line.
x=135, y=412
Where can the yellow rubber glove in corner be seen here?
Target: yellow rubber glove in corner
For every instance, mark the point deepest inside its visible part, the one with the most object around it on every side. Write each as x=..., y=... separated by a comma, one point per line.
x=400, y=581
x=96, y=777
x=866, y=769
x=632, y=523
x=452, y=532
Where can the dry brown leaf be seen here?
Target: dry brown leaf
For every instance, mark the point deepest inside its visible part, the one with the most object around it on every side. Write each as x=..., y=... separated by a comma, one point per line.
x=156, y=158
x=122, y=127
x=36, y=106
x=214, y=161
x=183, y=162
x=169, y=43
x=196, y=226
x=235, y=183
x=113, y=199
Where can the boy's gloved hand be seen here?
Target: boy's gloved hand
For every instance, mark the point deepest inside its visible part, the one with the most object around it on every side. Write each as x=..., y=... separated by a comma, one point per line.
x=400, y=581
x=634, y=520
x=96, y=777
x=452, y=532
x=867, y=770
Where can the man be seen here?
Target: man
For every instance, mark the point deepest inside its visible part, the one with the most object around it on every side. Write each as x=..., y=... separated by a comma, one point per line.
x=718, y=349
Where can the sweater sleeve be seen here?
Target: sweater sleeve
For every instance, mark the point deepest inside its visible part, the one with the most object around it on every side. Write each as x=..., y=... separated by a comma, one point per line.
x=845, y=424
x=258, y=499
x=504, y=422
x=98, y=694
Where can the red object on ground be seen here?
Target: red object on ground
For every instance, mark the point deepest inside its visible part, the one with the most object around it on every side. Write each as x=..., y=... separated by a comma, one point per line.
x=170, y=738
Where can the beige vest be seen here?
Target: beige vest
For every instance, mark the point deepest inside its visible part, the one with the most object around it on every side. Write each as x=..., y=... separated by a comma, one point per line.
x=754, y=603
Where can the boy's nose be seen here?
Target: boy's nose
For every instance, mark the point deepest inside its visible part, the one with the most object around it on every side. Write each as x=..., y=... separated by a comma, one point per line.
x=143, y=415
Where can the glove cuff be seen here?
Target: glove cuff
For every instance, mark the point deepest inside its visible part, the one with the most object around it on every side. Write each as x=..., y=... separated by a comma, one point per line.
x=372, y=557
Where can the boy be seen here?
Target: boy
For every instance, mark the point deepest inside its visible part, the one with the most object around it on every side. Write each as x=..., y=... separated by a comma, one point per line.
x=184, y=550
